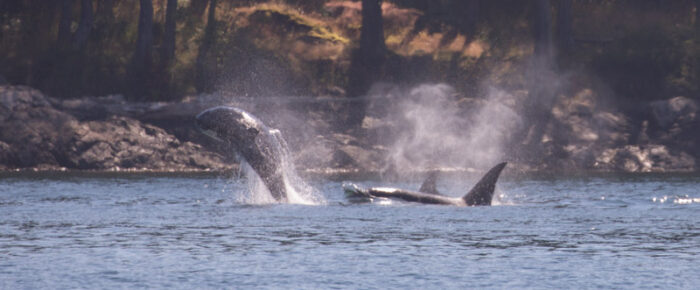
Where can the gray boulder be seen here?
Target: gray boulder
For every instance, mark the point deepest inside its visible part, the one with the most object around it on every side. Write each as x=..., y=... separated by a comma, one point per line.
x=31, y=128
x=34, y=134
x=675, y=123
x=124, y=143
x=646, y=158
x=339, y=152
x=675, y=110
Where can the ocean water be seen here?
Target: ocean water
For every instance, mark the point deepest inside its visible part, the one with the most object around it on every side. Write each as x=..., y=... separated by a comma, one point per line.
x=100, y=231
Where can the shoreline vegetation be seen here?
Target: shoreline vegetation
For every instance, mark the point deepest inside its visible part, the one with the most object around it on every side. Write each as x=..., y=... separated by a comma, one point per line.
x=357, y=87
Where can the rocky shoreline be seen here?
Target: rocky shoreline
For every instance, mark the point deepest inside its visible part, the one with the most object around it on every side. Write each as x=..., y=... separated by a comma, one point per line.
x=40, y=133
x=35, y=134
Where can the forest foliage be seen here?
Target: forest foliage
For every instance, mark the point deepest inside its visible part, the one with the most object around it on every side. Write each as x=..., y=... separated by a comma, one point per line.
x=168, y=49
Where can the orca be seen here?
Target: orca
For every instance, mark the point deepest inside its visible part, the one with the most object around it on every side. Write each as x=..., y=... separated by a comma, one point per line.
x=481, y=194
x=261, y=146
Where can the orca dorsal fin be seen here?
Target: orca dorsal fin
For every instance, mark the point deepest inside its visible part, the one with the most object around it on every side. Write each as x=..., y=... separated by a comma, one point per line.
x=429, y=185
x=482, y=192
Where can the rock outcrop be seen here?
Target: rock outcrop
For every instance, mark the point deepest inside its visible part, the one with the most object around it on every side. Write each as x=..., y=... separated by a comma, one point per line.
x=644, y=158
x=675, y=123
x=589, y=136
x=34, y=134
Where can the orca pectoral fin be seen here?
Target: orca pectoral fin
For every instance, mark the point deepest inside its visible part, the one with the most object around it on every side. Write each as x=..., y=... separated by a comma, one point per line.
x=429, y=185
x=482, y=192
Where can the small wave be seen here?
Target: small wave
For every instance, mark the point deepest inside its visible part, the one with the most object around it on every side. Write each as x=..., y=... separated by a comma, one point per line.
x=10, y=203
x=676, y=199
x=503, y=198
x=382, y=201
x=62, y=199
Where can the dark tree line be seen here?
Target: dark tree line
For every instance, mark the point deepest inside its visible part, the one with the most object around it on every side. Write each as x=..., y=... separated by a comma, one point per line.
x=59, y=67
x=553, y=39
x=67, y=46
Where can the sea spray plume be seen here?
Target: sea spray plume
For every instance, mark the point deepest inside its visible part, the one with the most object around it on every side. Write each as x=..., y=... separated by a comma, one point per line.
x=430, y=130
x=263, y=148
x=491, y=127
x=542, y=83
x=425, y=129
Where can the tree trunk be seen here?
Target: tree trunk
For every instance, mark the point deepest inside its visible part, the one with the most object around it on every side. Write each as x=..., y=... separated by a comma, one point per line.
x=564, y=30
x=167, y=52
x=193, y=18
x=367, y=62
x=85, y=26
x=141, y=60
x=54, y=73
x=105, y=11
x=63, y=38
x=144, y=40
x=372, y=47
x=168, y=45
x=471, y=19
x=697, y=17
x=542, y=32
x=197, y=8
x=202, y=66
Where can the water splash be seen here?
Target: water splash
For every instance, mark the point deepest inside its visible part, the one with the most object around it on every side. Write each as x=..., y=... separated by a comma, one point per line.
x=501, y=198
x=685, y=199
x=298, y=191
x=257, y=192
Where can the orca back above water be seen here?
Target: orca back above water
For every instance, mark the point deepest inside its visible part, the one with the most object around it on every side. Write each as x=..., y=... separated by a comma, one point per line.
x=480, y=194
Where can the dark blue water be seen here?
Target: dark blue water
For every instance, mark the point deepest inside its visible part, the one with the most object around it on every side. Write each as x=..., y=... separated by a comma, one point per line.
x=134, y=231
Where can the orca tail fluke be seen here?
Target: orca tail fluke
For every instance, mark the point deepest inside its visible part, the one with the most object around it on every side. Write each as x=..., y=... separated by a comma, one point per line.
x=482, y=192
x=429, y=185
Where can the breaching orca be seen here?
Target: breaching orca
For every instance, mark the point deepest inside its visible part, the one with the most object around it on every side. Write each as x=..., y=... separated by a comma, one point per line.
x=261, y=146
x=480, y=194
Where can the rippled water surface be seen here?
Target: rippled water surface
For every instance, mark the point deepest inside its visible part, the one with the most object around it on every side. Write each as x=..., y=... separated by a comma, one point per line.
x=132, y=231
